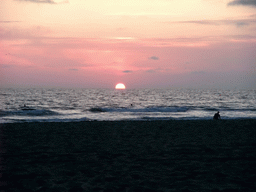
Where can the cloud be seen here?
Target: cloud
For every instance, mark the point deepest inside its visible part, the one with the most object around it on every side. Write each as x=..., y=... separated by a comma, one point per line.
x=10, y=21
x=34, y=32
x=241, y=24
x=243, y=2
x=154, y=58
x=238, y=23
x=45, y=1
x=201, y=22
x=73, y=69
x=127, y=71
x=198, y=72
x=6, y=66
x=150, y=71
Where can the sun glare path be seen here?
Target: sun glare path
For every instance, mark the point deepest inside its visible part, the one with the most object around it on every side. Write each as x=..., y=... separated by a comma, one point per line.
x=120, y=86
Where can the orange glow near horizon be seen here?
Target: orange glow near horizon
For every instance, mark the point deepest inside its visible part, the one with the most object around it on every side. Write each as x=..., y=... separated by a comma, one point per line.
x=120, y=86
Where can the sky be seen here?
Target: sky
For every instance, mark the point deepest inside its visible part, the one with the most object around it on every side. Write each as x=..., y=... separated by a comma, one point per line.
x=141, y=43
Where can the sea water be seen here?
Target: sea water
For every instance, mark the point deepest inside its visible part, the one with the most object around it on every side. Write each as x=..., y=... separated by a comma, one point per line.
x=55, y=105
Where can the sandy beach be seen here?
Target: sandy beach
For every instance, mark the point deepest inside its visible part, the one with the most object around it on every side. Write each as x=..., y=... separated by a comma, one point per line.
x=129, y=156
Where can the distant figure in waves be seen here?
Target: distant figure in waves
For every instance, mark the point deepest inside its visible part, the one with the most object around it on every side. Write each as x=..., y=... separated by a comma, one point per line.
x=216, y=116
x=26, y=108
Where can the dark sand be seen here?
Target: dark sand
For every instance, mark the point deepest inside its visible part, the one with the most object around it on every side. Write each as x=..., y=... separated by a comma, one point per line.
x=129, y=156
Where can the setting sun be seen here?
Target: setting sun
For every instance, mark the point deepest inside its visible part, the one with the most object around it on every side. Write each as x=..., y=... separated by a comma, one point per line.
x=120, y=86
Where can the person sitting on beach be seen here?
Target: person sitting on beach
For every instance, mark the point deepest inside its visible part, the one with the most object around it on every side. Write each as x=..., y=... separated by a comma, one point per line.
x=216, y=116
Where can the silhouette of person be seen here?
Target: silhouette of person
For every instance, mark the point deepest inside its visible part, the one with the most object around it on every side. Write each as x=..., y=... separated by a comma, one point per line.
x=216, y=116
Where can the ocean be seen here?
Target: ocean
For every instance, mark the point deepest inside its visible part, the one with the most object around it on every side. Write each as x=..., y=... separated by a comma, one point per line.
x=127, y=140
x=71, y=105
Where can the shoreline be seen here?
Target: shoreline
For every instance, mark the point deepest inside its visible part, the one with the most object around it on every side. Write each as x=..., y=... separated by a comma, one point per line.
x=175, y=155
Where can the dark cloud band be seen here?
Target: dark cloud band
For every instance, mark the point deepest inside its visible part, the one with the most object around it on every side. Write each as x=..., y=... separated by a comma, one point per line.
x=154, y=58
x=10, y=21
x=238, y=23
x=44, y=1
x=127, y=71
x=243, y=2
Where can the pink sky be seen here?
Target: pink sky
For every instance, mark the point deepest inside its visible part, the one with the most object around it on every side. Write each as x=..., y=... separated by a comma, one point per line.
x=143, y=44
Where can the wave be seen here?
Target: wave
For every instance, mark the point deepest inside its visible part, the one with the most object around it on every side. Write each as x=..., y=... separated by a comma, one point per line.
x=29, y=112
x=163, y=109
x=96, y=109
x=2, y=113
x=225, y=109
x=139, y=110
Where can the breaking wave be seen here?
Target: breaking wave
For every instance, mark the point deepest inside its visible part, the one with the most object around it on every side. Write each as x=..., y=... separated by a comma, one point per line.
x=29, y=112
x=139, y=110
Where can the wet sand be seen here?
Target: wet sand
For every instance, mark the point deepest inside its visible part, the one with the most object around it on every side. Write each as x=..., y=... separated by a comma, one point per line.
x=129, y=156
